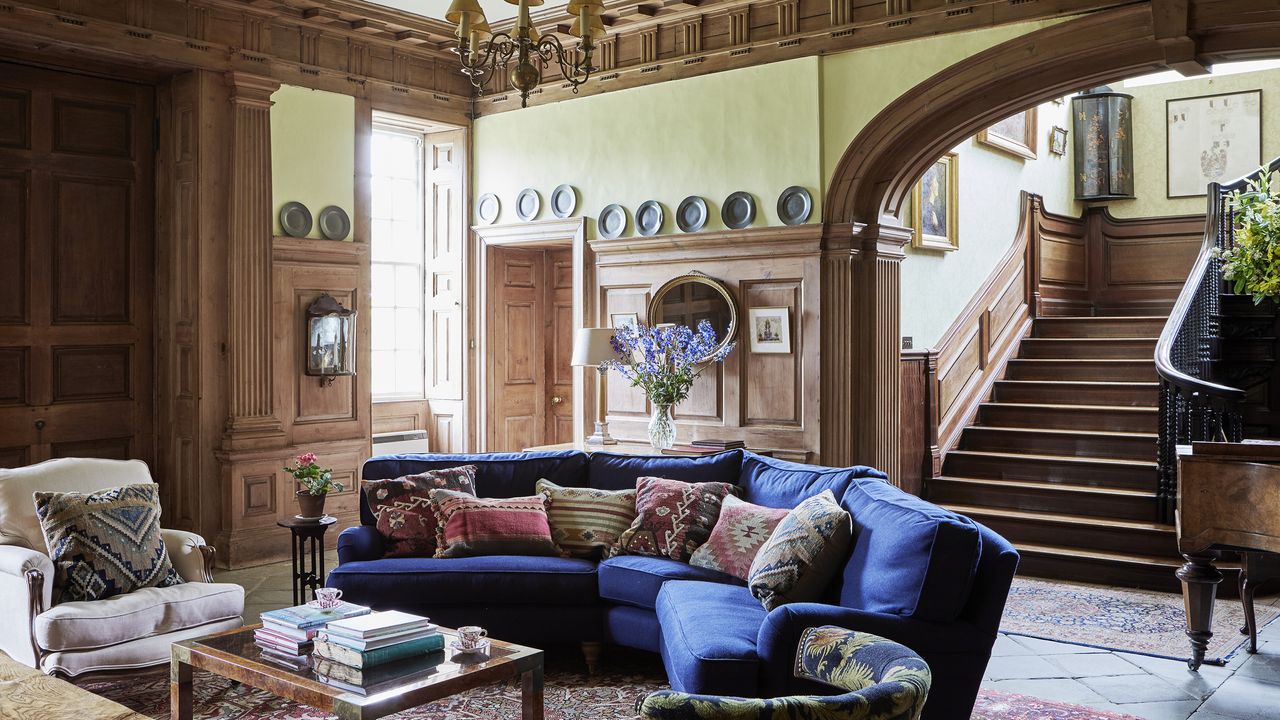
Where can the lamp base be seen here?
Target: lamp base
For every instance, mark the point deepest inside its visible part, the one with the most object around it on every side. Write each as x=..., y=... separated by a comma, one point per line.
x=601, y=435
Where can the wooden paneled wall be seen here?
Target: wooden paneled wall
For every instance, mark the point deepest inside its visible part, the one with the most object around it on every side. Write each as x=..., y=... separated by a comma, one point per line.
x=771, y=401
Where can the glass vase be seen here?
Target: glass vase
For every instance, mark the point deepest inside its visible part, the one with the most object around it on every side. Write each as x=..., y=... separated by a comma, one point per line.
x=662, y=427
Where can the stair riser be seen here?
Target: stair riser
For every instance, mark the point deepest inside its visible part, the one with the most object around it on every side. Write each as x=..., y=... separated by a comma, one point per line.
x=1092, y=537
x=1044, y=499
x=1111, y=421
x=1134, y=371
x=1111, y=327
x=1082, y=445
x=1034, y=470
x=1102, y=350
x=1122, y=395
x=1101, y=572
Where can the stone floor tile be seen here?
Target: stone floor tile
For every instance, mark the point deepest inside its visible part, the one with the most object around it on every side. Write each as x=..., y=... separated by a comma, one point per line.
x=1064, y=690
x=1246, y=698
x=1012, y=667
x=1203, y=714
x=1081, y=665
x=1139, y=688
x=1050, y=647
x=1006, y=645
x=1263, y=666
x=1167, y=710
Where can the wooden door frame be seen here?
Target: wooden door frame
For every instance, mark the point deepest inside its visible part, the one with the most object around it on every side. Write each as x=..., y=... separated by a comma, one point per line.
x=540, y=234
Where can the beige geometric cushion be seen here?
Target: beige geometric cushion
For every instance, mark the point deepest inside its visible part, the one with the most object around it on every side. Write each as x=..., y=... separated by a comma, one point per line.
x=585, y=522
x=139, y=614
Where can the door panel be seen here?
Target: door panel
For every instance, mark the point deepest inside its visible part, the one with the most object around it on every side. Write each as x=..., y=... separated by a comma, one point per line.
x=559, y=346
x=446, y=263
x=76, y=281
x=517, y=414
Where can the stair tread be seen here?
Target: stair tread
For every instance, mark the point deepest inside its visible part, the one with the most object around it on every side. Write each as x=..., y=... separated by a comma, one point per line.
x=1098, y=318
x=1105, y=339
x=1172, y=561
x=1139, y=384
x=1066, y=433
x=1077, y=361
x=1065, y=459
x=1083, y=408
x=1086, y=520
x=1053, y=486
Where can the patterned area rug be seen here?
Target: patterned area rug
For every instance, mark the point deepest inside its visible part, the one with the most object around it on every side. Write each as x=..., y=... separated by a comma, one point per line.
x=570, y=695
x=1136, y=621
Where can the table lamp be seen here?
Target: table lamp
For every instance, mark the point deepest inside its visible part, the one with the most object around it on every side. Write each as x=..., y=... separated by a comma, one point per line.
x=591, y=347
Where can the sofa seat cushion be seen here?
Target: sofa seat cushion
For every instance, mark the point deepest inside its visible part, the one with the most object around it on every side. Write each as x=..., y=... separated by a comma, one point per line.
x=491, y=580
x=139, y=614
x=636, y=579
x=709, y=633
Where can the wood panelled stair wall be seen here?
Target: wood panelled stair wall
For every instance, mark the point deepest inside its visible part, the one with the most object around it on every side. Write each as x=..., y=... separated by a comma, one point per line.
x=1040, y=401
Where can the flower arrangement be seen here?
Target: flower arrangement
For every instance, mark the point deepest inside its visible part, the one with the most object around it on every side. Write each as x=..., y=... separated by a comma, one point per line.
x=311, y=477
x=1252, y=264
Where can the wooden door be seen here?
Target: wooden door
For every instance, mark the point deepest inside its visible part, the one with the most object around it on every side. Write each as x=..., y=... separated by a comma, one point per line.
x=517, y=408
x=559, y=347
x=76, y=275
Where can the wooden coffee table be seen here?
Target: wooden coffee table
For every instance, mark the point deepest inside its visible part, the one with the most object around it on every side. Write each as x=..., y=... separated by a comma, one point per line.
x=234, y=655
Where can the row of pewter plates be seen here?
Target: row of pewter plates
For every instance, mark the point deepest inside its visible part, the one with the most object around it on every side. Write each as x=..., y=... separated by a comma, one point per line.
x=795, y=205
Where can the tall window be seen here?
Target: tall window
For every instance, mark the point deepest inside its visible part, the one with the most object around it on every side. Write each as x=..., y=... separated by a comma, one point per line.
x=398, y=260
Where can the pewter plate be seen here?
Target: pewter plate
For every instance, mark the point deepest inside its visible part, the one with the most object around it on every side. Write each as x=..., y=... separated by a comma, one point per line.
x=488, y=208
x=295, y=219
x=795, y=204
x=612, y=222
x=738, y=211
x=649, y=217
x=334, y=223
x=528, y=203
x=564, y=200
x=691, y=216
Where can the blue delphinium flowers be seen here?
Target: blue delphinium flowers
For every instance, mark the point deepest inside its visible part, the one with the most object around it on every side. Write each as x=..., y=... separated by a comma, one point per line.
x=664, y=361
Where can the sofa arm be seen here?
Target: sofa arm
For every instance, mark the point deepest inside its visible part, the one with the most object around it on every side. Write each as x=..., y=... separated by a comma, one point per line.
x=362, y=542
x=191, y=557
x=26, y=590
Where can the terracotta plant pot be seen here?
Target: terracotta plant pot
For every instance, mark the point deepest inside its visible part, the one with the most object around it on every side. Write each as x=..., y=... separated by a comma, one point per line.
x=310, y=506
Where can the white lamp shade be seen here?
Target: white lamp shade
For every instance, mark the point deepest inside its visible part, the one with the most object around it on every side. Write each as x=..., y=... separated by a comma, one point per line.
x=592, y=346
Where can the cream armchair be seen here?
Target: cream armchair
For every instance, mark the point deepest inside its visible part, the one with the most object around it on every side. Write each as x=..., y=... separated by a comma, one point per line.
x=120, y=633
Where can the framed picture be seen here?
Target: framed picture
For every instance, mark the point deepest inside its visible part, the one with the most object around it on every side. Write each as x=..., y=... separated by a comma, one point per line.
x=331, y=332
x=1015, y=135
x=621, y=320
x=1212, y=138
x=935, y=208
x=1058, y=141
x=770, y=329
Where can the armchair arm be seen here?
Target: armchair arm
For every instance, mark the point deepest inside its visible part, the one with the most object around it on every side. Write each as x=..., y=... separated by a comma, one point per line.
x=362, y=542
x=26, y=590
x=191, y=557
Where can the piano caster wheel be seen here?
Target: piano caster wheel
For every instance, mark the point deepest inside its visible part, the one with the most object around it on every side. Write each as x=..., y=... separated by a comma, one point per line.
x=1194, y=662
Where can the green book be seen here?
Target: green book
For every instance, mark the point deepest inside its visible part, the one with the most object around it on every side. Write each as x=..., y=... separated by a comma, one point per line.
x=370, y=658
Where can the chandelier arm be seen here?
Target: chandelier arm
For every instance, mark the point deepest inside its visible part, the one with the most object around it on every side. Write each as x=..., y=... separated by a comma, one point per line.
x=550, y=48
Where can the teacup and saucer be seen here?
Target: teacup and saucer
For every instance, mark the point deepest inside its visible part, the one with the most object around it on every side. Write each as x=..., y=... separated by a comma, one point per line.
x=472, y=640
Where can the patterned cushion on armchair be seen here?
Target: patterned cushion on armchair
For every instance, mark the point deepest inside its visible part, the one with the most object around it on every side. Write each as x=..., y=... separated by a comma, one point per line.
x=883, y=680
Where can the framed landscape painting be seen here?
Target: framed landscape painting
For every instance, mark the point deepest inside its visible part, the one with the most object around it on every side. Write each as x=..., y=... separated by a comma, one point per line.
x=1015, y=135
x=1213, y=138
x=935, y=211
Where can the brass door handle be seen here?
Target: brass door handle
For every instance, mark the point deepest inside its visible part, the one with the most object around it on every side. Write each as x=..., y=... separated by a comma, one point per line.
x=556, y=400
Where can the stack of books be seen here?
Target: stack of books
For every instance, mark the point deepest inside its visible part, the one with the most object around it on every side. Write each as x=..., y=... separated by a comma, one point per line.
x=287, y=634
x=352, y=653
x=704, y=447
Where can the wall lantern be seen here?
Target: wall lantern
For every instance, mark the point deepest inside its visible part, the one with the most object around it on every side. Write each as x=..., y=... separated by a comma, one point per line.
x=331, y=336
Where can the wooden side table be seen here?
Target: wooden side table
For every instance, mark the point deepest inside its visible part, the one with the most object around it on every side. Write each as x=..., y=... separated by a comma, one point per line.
x=307, y=577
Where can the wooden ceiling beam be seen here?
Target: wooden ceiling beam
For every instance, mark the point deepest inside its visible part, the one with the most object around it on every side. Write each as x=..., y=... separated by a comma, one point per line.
x=1171, y=20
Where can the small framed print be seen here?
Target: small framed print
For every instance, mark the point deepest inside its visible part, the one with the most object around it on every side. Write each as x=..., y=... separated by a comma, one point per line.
x=770, y=329
x=621, y=320
x=1058, y=141
x=935, y=215
x=1015, y=135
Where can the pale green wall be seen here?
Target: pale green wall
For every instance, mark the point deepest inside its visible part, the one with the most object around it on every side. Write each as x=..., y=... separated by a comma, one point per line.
x=312, y=152
x=937, y=284
x=1149, y=137
x=754, y=129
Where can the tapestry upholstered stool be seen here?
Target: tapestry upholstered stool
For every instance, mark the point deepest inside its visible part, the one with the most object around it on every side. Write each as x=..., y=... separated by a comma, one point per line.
x=882, y=679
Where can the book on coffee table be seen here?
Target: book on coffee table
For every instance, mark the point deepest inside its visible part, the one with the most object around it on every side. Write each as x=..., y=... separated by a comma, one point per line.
x=308, y=617
x=360, y=659
x=379, y=624
x=371, y=681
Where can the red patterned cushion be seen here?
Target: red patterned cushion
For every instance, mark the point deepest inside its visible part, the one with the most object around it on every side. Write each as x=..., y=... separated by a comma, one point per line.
x=471, y=526
x=737, y=537
x=406, y=519
x=673, y=518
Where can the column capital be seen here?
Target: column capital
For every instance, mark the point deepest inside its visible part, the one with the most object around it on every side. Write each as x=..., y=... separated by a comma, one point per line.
x=881, y=240
x=253, y=90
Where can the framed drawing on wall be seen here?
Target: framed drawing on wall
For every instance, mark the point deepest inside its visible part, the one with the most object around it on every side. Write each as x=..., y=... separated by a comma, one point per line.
x=621, y=320
x=1015, y=135
x=770, y=329
x=1212, y=138
x=935, y=207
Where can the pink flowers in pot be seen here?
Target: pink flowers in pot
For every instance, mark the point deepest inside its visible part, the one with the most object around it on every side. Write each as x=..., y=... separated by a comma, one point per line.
x=310, y=476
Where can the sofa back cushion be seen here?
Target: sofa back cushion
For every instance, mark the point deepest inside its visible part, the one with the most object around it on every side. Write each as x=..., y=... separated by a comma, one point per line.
x=910, y=557
x=781, y=484
x=498, y=475
x=608, y=471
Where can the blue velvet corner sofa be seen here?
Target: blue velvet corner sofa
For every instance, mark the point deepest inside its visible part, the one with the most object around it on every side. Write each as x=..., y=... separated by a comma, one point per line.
x=916, y=574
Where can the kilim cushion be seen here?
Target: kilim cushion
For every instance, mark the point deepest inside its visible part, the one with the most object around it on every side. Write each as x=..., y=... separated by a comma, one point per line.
x=738, y=535
x=402, y=507
x=585, y=522
x=673, y=518
x=471, y=526
x=105, y=543
x=803, y=553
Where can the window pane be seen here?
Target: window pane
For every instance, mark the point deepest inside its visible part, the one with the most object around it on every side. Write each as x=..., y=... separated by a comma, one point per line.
x=384, y=372
x=409, y=372
x=384, y=329
x=408, y=286
x=383, y=281
x=406, y=242
x=382, y=193
x=405, y=200
x=408, y=329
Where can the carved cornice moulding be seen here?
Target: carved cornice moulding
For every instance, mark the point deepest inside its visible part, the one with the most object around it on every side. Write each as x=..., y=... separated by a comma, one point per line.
x=764, y=242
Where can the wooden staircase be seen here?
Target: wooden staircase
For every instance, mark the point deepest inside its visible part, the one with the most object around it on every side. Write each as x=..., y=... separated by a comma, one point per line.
x=1061, y=460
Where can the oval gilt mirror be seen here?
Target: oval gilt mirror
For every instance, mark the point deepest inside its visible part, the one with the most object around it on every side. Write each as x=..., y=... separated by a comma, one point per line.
x=692, y=298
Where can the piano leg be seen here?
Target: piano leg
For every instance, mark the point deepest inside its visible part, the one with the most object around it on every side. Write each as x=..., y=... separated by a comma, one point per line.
x=1199, y=586
x=1247, y=587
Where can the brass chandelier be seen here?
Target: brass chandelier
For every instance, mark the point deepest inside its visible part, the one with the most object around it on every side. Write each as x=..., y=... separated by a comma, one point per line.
x=482, y=52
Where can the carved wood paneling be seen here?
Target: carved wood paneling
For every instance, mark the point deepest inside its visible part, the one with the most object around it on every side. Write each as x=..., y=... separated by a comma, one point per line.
x=920, y=457
x=13, y=244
